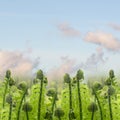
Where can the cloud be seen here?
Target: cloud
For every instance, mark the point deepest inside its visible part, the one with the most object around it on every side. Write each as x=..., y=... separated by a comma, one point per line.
x=105, y=40
x=69, y=65
x=93, y=61
x=58, y=72
x=115, y=26
x=67, y=30
x=17, y=62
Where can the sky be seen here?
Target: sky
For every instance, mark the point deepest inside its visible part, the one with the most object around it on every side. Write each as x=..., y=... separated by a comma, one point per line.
x=59, y=36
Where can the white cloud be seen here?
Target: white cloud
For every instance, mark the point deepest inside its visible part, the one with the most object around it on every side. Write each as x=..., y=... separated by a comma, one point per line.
x=17, y=62
x=67, y=30
x=93, y=62
x=115, y=26
x=70, y=66
x=105, y=40
x=66, y=66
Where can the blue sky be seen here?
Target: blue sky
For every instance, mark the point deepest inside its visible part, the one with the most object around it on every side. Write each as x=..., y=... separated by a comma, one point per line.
x=61, y=31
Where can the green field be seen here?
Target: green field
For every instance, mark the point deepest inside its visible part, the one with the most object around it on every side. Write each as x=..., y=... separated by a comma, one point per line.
x=72, y=100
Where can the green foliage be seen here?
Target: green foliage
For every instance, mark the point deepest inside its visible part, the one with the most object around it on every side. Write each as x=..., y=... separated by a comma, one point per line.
x=11, y=82
x=40, y=75
x=92, y=107
x=111, y=74
x=55, y=103
x=79, y=75
x=59, y=112
x=111, y=90
x=22, y=86
x=67, y=78
x=48, y=115
x=8, y=74
x=27, y=107
x=51, y=92
x=9, y=98
x=97, y=86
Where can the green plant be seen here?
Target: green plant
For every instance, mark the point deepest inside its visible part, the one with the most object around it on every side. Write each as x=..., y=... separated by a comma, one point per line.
x=48, y=115
x=22, y=86
x=110, y=91
x=59, y=113
x=27, y=108
x=105, y=97
x=52, y=93
x=9, y=101
x=40, y=77
x=7, y=78
x=9, y=82
x=92, y=108
x=67, y=80
x=96, y=87
x=79, y=77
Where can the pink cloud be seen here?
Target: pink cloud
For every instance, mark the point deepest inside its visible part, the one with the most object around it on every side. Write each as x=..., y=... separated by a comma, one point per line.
x=115, y=26
x=17, y=62
x=66, y=66
x=67, y=30
x=104, y=40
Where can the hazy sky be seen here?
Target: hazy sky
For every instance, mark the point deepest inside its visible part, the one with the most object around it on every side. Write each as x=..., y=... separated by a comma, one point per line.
x=60, y=35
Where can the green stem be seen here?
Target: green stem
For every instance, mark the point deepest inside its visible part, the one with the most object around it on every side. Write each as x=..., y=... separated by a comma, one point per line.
x=27, y=116
x=10, y=111
x=92, y=117
x=4, y=95
x=40, y=99
x=79, y=99
x=53, y=104
x=110, y=105
x=70, y=99
x=70, y=96
x=101, y=114
x=20, y=105
x=59, y=118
